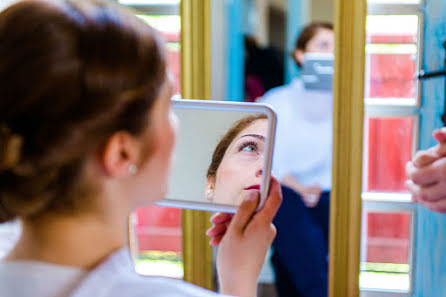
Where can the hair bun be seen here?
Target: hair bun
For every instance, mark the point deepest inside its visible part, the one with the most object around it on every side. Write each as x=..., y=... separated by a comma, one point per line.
x=10, y=148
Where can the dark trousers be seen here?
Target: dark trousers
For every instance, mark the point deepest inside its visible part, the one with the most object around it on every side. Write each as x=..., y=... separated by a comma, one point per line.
x=300, y=249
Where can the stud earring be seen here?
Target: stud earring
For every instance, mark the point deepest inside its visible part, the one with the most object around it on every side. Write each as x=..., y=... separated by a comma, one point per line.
x=133, y=169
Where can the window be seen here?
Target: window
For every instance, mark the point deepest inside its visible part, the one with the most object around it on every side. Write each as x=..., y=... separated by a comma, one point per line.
x=392, y=103
x=156, y=231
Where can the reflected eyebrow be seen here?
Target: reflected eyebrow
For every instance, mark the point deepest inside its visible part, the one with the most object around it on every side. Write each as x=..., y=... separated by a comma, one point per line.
x=258, y=136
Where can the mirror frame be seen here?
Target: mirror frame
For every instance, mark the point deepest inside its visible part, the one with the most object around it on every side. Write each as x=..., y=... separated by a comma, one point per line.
x=348, y=92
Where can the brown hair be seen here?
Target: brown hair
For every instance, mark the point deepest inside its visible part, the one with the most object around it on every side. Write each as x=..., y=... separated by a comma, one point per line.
x=307, y=33
x=72, y=73
x=227, y=139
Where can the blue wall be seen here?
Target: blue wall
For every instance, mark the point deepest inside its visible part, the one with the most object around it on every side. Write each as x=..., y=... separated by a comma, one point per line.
x=296, y=20
x=430, y=228
x=236, y=49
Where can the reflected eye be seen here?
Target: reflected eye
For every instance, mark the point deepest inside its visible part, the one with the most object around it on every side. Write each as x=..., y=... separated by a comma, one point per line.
x=323, y=45
x=248, y=147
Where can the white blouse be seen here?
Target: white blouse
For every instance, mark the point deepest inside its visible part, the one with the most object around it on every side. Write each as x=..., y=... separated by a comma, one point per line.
x=304, y=133
x=40, y=279
x=115, y=277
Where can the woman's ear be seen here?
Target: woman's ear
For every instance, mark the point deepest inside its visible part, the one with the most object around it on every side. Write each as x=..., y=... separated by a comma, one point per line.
x=210, y=185
x=298, y=56
x=120, y=155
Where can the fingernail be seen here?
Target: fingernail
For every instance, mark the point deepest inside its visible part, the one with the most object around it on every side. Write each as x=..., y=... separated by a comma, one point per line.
x=214, y=216
x=252, y=196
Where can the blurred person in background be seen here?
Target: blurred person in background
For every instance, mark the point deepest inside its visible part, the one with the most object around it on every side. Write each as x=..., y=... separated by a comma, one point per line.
x=302, y=163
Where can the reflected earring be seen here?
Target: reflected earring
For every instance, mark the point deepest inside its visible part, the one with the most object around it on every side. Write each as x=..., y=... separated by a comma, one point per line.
x=133, y=169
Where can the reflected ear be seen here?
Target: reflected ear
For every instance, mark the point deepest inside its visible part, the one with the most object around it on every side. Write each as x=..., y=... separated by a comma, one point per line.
x=210, y=185
x=299, y=57
x=120, y=155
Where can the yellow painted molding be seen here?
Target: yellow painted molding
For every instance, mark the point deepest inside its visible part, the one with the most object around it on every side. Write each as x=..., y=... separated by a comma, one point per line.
x=345, y=210
x=196, y=84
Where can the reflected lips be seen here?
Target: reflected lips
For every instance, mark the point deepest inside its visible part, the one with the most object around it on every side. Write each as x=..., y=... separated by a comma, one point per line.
x=254, y=187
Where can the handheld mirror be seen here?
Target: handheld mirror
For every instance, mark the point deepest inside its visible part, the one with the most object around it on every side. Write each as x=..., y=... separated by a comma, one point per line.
x=223, y=151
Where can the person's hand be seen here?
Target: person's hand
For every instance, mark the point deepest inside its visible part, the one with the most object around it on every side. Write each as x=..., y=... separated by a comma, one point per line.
x=220, y=222
x=311, y=195
x=427, y=175
x=244, y=241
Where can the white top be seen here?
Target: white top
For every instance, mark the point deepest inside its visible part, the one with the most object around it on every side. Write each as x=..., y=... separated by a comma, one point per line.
x=304, y=133
x=115, y=277
x=32, y=278
x=9, y=234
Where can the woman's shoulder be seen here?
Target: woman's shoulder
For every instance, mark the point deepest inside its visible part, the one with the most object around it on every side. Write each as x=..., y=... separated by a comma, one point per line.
x=283, y=93
x=117, y=277
x=135, y=285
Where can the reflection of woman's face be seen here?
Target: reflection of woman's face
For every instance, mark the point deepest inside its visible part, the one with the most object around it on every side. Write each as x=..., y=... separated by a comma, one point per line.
x=322, y=42
x=240, y=170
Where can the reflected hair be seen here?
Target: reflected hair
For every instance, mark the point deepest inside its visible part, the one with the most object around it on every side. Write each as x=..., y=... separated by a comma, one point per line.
x=72, y=74
x=307, y=33
x=227, y=139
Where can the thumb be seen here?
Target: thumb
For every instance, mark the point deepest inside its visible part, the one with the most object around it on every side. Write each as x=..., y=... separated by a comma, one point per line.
x=245, y=212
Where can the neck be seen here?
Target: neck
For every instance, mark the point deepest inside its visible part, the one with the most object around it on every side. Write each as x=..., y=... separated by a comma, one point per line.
x=83, y=241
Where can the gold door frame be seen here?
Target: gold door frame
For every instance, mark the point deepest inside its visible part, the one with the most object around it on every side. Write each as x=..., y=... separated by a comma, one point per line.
x=345, y=200
x=345, y=205
x=196, y=84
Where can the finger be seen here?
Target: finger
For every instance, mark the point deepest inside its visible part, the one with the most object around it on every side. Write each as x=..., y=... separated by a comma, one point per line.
x=429, y=174
x=413, y=196
x=313, y=191
x=221, y=217
x=437, y=206
x=245, y=212
x=440, y=135
x=216, y=230
x=272, y=203
x=441, y=149
x=314, y=188
x=429, y=193
x=424, y=158
x=312, y=202
x=216, y=240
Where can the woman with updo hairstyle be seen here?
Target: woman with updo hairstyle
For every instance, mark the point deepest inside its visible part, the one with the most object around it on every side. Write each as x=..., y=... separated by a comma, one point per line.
x=86, y=136
x=237, y=162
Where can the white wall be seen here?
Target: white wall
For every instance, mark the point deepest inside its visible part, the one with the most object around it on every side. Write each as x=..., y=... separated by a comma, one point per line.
x=322, y=10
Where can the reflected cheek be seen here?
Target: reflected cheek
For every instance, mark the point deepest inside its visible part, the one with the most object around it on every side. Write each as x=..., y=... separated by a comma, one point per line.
x=229, y=177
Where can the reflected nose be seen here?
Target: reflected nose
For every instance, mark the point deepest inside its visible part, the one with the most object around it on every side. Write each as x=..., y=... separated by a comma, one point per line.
x=259, y=164
x=259, y=172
